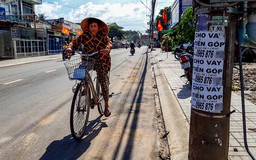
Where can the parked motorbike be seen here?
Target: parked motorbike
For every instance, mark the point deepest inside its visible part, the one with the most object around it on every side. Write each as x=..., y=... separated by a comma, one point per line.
x=181, y=49
x=67, y=53
x=186, y=61
x=132, y=51
x=178, y=52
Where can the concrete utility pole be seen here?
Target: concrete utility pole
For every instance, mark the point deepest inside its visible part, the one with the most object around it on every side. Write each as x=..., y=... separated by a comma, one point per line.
x=212, y=80
x=152, y=24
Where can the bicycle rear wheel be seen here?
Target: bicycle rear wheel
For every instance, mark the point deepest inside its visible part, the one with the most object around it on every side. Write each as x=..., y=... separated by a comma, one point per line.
x=80, y=109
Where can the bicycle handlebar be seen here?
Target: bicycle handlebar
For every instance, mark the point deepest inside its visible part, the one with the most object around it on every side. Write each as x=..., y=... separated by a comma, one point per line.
x=85, y=54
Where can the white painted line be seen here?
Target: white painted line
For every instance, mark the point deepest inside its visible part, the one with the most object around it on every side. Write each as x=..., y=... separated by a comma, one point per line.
x=13, y=81
x=50, y=71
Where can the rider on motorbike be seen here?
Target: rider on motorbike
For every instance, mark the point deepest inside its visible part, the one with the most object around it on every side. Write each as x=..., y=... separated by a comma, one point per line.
x=132, y=46
x=66, y=53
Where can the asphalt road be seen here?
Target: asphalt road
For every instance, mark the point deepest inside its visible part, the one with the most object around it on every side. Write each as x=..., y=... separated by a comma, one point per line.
x=35, y=102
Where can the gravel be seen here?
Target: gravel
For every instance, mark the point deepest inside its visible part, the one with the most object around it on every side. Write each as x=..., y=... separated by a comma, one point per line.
x=249, y=72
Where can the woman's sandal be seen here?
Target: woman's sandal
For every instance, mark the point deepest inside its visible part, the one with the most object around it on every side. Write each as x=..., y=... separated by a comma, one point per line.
x=107, y=113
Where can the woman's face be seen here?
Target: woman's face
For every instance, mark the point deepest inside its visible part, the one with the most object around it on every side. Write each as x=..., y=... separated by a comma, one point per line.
x=93, y=27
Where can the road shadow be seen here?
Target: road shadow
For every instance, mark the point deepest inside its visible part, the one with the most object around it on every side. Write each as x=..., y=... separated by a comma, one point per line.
x=133, y=115
x=71, y=149
x=185, y=92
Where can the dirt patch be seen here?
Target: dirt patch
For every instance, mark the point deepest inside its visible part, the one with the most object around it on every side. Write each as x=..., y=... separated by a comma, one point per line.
x=249, y=74
x=163, y=147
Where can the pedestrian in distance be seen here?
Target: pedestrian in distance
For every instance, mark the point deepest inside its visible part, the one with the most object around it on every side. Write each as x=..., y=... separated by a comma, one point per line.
x=95, y=39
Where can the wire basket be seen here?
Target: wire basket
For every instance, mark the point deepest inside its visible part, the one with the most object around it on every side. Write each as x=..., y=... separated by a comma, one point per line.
x=76, y=68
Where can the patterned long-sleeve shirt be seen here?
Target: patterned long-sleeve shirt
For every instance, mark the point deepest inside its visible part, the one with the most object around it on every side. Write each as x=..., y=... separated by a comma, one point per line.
x=93, y=44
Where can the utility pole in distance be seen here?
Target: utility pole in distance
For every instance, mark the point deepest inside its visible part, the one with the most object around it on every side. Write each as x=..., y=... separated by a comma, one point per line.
x=152, y=24
x=212, y=80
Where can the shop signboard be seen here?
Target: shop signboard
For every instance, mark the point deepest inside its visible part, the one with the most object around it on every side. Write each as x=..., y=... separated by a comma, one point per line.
x=2, y=13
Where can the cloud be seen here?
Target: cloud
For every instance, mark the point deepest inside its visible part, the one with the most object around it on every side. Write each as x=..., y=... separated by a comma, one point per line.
x=131, y=16
x=50, y=10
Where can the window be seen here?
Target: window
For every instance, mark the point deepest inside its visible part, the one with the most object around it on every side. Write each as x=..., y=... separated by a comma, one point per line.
x=27, y=8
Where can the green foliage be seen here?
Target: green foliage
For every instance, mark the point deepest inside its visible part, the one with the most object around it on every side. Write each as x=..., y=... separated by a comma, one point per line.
x=235, y=87
x=159, y=16
x=115, y=31
x=131, y=35
x=185, y=29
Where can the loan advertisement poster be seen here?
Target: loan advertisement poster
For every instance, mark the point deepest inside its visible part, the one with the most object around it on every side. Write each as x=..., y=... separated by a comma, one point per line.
x=208, y=62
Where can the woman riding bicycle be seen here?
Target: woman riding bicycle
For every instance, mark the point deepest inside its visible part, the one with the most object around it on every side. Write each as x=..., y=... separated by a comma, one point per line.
x=95, y=38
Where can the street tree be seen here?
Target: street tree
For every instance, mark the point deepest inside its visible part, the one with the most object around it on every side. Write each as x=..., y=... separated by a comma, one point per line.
x=160, y=17
x=185, y=29
x=132, y=35
x=115, y=31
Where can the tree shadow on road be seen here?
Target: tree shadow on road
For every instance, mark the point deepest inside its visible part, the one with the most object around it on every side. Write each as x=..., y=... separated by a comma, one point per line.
x=69, y=148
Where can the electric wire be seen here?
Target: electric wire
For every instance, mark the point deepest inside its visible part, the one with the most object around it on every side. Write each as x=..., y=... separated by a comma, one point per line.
x=242, y=91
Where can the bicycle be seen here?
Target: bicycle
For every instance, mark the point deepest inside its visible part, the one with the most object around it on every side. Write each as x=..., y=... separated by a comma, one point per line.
x=87, y=93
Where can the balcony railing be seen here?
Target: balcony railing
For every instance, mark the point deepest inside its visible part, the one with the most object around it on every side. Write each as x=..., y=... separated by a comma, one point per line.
x=33, y=1
x=17, y=19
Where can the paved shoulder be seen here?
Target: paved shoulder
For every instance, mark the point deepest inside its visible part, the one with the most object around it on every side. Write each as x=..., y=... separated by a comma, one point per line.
x=174, y=119
x=19, y=61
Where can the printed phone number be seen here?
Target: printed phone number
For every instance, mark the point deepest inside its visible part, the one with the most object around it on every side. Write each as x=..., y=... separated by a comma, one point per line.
x=207, y=80
x=206, y=53
x=204, y=106
x=208, y=106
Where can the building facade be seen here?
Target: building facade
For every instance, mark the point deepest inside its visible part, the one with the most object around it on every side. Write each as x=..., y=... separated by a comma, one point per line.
x=23, y=34
x=178, y=8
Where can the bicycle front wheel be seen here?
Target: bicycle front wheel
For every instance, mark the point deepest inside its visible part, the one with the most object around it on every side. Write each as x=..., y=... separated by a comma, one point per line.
x=80, y=109
x=101, y=102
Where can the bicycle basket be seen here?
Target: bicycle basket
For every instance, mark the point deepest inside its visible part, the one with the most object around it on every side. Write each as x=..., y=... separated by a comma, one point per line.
x=76, y=68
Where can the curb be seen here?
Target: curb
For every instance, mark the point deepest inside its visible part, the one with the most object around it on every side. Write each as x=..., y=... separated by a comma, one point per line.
x=174, y=119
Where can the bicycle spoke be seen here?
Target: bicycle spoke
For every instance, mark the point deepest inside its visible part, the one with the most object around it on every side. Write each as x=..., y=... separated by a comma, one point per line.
x=79, y=111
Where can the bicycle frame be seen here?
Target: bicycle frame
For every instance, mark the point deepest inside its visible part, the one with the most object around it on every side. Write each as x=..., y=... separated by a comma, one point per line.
x=89, y=81
x=87, y=93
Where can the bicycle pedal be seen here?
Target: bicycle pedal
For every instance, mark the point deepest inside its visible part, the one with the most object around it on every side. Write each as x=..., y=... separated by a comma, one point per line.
x=111, y=94
x=182, y=76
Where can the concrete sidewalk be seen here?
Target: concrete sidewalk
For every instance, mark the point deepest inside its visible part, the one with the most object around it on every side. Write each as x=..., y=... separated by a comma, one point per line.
x=177, y=89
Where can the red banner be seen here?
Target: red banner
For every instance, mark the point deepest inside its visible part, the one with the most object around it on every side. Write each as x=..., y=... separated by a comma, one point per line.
x=65, y=30
x=164, y=16
x=79, y=32
x=159, y=25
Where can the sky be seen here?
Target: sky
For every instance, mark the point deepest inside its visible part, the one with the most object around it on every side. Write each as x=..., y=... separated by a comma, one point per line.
x=129, y=14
